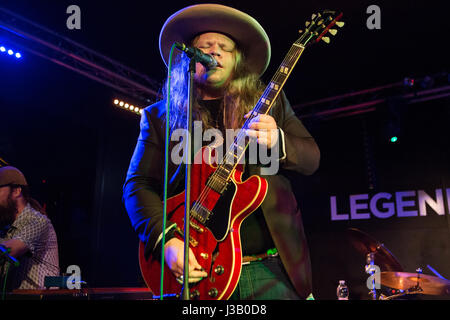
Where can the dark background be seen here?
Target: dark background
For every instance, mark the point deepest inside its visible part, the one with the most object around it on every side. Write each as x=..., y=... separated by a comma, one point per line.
x=74, y=146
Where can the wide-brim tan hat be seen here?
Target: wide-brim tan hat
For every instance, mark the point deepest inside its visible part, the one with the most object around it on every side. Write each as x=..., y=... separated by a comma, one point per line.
x=191, y=21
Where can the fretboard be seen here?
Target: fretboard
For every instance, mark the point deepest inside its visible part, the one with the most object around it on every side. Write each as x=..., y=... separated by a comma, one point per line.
x=236, y=151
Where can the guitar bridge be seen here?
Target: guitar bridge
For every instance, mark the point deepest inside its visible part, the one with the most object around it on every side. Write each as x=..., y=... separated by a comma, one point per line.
x=217, y=183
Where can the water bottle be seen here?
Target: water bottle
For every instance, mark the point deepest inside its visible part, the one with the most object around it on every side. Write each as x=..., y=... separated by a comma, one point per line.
x=342, y=290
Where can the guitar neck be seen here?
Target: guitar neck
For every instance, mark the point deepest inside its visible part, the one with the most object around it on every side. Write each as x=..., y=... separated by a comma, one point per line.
x=275, y=85
x=319, y=25
x=237, y=149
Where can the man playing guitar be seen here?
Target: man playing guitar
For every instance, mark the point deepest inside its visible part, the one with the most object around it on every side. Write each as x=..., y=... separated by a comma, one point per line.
x=273, y=250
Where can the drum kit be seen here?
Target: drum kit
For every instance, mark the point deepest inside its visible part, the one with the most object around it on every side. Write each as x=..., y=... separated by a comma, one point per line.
x=398, y=283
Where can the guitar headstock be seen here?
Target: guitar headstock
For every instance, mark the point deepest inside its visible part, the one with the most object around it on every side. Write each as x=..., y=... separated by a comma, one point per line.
x=320, y=25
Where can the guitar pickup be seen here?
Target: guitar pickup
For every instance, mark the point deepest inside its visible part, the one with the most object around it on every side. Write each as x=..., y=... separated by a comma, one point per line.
x=200, y=213
x=192, y=241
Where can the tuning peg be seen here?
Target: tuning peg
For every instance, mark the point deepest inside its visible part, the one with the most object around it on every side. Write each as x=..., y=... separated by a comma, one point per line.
x=300, y=31
x=332, y=31
x=307, y=23
x=340, y=24
x=313, y=16
x=326, y=39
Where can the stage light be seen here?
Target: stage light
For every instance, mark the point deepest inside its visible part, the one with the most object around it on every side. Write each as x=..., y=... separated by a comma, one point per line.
x=127, y=106
x=10, y=52
x=394, y=118
x=408, y=82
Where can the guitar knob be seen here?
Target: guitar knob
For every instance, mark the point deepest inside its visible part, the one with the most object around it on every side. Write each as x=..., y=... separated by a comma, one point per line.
x=194, y=295
x=219, y=270
x=213, y=292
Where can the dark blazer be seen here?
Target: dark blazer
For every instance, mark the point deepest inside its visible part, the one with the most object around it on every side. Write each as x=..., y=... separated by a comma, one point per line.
x=142, y=192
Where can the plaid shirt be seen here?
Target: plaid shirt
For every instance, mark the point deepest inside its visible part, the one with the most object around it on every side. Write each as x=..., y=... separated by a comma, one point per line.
x=36, y=231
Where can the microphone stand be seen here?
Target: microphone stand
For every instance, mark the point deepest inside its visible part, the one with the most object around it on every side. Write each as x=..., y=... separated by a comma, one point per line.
x=5, y=257
x=187, y=202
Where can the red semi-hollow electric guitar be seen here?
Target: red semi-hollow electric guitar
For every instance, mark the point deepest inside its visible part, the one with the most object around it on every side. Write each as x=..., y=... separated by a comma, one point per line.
x=221, y=200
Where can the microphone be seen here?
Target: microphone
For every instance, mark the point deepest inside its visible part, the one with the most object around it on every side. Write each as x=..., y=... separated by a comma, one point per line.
x=205, y=59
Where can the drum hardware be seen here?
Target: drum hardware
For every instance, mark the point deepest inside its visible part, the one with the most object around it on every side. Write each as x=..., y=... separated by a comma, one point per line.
x=394, y=296
x=416, y=289
x=370, y=269
x=416, y=283
x=378, y=258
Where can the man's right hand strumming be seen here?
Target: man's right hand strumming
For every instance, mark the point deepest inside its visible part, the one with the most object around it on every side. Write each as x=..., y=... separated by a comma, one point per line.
x=174, y=257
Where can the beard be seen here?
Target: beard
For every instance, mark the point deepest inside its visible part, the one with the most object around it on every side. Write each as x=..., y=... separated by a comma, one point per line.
x=7, y=213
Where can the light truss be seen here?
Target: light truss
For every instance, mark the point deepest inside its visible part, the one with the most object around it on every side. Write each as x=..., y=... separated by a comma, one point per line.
x=410, y=91
x=47, y=44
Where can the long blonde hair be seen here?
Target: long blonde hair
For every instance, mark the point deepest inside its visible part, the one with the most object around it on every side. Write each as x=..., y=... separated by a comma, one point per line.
x=240, y=95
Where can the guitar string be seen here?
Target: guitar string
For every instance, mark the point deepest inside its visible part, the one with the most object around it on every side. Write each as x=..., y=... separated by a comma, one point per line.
x=266, y=93
x=289, y=60
x=279, y=78
x=293, y=54
x=260, y=105
x=298, y=48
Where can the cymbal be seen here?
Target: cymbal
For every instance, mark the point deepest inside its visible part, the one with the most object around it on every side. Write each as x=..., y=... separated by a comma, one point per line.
x=402, y=280
x=366, y=244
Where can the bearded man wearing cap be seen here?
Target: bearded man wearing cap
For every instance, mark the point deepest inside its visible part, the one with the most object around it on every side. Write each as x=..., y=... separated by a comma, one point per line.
x=26, y=230
x=223, y=97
